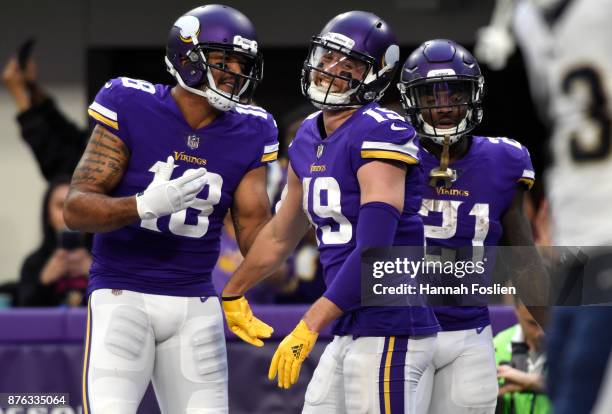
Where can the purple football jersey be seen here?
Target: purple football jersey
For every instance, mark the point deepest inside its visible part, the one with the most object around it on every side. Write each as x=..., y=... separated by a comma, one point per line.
x=173, y=255
x=328, y=171
x=470, y=212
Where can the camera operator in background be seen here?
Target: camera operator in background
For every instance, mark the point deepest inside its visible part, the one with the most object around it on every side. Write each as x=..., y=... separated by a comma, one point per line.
x=57, y=272
x=520, y=356
x=57, y=143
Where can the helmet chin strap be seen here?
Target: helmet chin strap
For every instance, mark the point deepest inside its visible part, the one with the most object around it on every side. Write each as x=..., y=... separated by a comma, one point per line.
x=438, y=135
x=334, y=98
x=443, y=172
x=215, y=97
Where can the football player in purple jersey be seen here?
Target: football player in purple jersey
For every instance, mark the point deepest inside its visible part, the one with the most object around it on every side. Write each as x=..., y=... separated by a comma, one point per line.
x=161, y=169
x=353, y=175
x=474, y=197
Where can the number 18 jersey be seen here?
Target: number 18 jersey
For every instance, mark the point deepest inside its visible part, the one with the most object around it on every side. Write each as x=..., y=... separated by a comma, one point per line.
x=173, y=255
x=327, y=168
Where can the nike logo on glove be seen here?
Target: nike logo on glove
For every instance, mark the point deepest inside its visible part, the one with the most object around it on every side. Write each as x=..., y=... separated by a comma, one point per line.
x=397, y=128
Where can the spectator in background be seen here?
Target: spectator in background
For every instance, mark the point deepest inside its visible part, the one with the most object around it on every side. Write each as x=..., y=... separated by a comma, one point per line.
x=56, y=142
x=229, y=259
x=520, y=359
x=56, y=273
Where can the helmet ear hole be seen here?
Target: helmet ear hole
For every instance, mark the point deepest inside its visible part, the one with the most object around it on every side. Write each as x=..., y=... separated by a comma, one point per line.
x=193, y=56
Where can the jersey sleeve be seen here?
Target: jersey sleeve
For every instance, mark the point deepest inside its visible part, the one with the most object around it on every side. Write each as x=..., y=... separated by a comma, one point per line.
x=520, y=161
x=388, y=140
x=513, y=158
x=527, y=176
x=105, y=110
x=267, y=140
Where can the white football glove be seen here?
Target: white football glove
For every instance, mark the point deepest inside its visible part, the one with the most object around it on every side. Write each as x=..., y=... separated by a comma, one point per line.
x=164, y=196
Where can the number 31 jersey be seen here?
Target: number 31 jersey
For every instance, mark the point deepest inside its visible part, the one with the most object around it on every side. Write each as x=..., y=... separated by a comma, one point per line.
x=173, y=255
x=327, y=168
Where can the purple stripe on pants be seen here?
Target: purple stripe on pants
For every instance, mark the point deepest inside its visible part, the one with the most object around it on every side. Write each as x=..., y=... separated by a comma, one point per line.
x=397, y=377
x=381, y=377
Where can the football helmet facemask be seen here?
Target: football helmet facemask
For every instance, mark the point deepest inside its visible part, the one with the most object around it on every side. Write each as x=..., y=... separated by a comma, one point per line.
x=441, y=90
x=351, y=62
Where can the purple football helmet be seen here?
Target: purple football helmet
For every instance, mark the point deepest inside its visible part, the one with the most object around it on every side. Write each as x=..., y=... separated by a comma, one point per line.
x=230, y=36
x=356, y=49
x=442, y=75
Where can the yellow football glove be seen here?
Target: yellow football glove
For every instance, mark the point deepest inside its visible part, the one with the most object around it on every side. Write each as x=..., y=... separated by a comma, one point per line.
x=241, y=321
x=290, y=354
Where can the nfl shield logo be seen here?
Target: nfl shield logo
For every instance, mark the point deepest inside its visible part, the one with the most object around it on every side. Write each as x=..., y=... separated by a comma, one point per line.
x=320, y=150
x=193, y=141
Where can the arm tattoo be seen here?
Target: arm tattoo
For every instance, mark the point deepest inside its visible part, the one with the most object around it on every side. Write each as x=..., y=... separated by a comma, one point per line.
x=236, y=221
x=103, y=163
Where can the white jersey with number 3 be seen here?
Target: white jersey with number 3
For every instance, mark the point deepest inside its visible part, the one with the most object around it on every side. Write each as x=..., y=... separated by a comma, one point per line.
x=580, y=180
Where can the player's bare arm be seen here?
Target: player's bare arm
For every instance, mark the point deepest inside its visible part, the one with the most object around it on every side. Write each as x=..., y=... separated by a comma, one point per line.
x=528, y=272
x=379, y=181
x=383, y=181
x=274, y=243
x=251, y=208
x=271, y=247
x=88, y=206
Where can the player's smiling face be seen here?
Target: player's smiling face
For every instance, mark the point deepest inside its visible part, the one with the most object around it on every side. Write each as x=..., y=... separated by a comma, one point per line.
x=232, y=62
x=339, y=64
x=443, y=104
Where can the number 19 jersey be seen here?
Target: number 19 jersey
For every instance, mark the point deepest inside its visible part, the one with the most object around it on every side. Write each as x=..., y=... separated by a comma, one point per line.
x=327, y=168
x=173, y=255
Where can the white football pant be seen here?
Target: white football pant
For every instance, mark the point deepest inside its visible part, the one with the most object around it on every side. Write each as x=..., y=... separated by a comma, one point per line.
x=374, y=375
x=462, y=376
x=177, y=342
